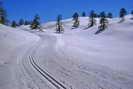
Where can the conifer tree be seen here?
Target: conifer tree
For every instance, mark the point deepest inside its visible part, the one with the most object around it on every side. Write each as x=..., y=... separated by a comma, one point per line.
x=95, y=15
x=83, y=14
x=59, y=25
x=21, y=22
x=27, y=22
x=132, y=12
x=123, y=12
x=92, y=20
x=98, y=15
x=76, y=20
x=14, y=24
x=103, y=25
x=2, y=14
x=75, y=15
x=103, y=15
x=35, y=23
x=110, y=15
x=132, y=15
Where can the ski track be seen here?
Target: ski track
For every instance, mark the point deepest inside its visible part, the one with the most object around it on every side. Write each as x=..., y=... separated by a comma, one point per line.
x=46, y=75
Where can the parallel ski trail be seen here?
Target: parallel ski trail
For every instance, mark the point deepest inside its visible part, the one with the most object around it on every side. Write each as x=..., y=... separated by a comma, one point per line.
x=46, y=75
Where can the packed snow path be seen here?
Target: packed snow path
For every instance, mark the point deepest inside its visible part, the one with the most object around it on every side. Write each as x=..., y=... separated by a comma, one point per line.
x=46, y=75
x=29, y=64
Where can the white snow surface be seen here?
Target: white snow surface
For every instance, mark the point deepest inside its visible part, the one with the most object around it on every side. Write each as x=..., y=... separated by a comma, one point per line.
x=78, y=59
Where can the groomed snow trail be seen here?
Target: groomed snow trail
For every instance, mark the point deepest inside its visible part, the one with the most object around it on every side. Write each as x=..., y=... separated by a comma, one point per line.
x=31, y=75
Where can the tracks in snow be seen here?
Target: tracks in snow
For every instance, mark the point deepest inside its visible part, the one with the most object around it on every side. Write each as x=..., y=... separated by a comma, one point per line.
x=46, y=75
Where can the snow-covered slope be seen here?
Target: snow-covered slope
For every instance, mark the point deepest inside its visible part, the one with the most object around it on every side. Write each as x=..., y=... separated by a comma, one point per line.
x=12, y=38
x=85, y=57
x=12, y=44
x=76, y=59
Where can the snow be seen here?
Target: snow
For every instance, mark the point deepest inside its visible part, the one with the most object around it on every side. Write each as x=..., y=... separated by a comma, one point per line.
x=12, y=44
x=77, y=59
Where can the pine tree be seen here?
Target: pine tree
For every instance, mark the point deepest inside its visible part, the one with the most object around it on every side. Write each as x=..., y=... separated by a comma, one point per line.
x=123, y=12
x=59, y=25
x=21, y=22
x=103, y=15
x=95, y=15
x=92, y=20
x=75, y=15
x=83, y=14
x=132, y=12
x=110, y=15
x=76, y=20
x=132, y=15
x=27, y=22
x=103, y=25
x=98, y=15
x=36, y=23
x=14, y=24
x=2, y=14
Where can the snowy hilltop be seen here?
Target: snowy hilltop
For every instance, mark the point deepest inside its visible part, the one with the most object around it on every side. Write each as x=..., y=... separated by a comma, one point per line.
x=63, y=55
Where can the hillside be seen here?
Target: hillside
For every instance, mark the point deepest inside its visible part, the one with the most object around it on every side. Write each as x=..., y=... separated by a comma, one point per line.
x=76, y=59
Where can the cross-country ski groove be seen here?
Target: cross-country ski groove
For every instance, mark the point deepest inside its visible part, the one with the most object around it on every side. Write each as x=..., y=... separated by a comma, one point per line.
x=46, y=75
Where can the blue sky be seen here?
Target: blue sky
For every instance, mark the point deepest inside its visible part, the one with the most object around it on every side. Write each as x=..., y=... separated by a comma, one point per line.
x=49, y=9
